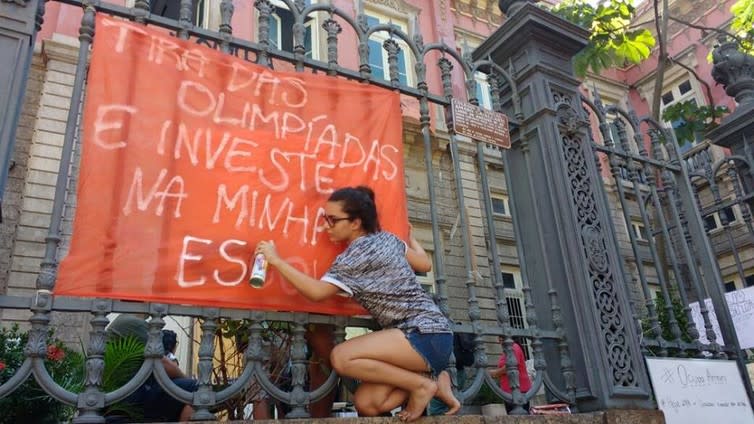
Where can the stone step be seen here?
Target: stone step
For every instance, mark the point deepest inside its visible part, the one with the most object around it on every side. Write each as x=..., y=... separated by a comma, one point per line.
x=628, y=416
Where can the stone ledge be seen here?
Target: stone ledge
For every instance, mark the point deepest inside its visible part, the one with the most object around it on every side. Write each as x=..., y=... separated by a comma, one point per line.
x=616, y=416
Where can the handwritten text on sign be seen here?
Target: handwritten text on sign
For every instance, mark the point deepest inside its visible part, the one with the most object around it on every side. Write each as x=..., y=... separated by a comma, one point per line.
x=480, y=124
x=699, y=391
x=191, y=157
x=741, y=306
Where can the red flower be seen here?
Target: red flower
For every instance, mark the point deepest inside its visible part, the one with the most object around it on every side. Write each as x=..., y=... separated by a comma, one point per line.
x=55, y=353
x=2, y=366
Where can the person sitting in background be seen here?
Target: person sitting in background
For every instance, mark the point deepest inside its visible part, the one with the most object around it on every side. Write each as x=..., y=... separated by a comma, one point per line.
x=169, y=344
x=157, y=405
x=524, y=382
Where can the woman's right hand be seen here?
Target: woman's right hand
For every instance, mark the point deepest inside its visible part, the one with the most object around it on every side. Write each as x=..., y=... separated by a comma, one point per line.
x=267, y=248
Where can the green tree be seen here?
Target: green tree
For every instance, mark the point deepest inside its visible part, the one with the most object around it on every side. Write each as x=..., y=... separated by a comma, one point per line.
x=613, y=42
x=663, y=316
x=29, y=403
x=617, y=40
x=743, y=24
x=663, y=319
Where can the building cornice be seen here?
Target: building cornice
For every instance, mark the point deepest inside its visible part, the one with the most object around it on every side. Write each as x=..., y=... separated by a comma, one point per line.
x=61, y=48
x=396, y=5
x=484, y=11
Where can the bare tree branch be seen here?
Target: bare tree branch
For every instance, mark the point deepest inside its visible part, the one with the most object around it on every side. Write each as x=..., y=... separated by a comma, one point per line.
x=706, y=28
x=661, y=26
x=707, y=88
x=641, y=24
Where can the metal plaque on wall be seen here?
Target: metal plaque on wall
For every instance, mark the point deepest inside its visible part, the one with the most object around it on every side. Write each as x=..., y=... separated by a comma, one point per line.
x=480, y=124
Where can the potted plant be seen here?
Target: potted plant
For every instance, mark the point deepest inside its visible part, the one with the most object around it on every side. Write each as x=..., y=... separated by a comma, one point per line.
x=487, y=402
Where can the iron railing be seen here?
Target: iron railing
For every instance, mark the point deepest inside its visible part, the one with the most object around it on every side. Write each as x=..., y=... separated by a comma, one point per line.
x=92, y=399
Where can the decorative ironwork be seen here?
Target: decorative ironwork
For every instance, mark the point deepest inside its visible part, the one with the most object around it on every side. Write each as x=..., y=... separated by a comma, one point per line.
x=567, y=115
x=226, y=15
x=734, y=69
x=393, y=49
x=612, y=319
x=333, y=28
x=185, y=18
x=265, y=9
x=601, y=269
x=93, y=397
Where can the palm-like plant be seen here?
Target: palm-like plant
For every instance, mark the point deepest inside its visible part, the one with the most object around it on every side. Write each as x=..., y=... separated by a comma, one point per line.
x=123, y=358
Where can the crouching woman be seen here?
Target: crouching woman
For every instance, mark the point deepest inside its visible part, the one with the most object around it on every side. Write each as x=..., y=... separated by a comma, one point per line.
x=404, y=362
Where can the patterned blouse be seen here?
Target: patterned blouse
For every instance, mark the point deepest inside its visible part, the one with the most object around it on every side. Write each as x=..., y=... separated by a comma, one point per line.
x=374, y=270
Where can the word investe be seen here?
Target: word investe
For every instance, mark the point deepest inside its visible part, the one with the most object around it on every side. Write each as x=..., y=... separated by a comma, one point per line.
x=256, y=125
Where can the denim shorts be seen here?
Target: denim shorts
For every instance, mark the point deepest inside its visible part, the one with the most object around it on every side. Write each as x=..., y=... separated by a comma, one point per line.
x=435, y=348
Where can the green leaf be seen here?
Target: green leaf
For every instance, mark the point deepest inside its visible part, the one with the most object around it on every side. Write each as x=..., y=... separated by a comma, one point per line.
x=123, y=358
x=631, y=50
x=592, y=58
x=692, y=119
x=743, y=24
x=612, y=42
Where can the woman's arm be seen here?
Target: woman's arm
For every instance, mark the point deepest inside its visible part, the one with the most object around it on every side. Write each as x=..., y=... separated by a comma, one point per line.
x=497, y=372
x=311, y=288
x=171, y=368
x=415, y=254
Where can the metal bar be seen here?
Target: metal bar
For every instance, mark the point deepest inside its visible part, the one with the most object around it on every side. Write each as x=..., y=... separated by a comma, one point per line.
x=637, y=158
x=634, y=173
x=614, y=164
x=239, y=45
x=708, y=262
x=48, y=272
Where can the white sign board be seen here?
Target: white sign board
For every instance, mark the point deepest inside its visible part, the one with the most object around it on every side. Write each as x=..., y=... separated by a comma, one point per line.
x=741, y=305
x=699, y=391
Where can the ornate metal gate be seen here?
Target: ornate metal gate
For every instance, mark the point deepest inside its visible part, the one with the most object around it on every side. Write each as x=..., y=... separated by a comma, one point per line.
x=558, y=252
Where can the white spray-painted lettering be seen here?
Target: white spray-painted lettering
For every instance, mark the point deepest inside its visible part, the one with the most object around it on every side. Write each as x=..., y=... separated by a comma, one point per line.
x=187, y=257
x=233, y=259
x=290, y=149
x=174, y=189
x=100, y=124
x=189, y=254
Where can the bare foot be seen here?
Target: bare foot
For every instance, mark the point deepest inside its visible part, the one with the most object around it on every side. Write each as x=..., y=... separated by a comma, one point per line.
x=445, y=393
x=417, y=401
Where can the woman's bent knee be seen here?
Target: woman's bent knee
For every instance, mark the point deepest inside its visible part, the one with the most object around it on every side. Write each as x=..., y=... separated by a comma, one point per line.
x=338, y=359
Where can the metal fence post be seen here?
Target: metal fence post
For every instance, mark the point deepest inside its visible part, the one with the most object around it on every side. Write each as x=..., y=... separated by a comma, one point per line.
x=567, y=236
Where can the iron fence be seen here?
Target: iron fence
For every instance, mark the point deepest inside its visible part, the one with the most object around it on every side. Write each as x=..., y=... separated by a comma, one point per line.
x=664, y=245
x=92, y=399
x=670, y=259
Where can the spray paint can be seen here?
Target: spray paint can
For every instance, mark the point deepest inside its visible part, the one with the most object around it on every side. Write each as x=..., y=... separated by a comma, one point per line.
x=258, y=271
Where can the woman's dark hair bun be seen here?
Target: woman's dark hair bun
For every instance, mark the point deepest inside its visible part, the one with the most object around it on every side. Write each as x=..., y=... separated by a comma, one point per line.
x=366, y=190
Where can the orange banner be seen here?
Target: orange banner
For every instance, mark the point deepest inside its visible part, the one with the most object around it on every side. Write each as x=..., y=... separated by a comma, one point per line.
x=191, y=156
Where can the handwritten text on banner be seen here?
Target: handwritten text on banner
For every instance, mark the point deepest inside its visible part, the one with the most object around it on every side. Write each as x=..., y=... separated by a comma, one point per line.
x=190, y=157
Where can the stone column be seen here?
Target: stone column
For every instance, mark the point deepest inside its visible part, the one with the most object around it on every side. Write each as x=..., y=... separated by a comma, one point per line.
x=19, y=22
x=58, y=56
x=566, y=232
